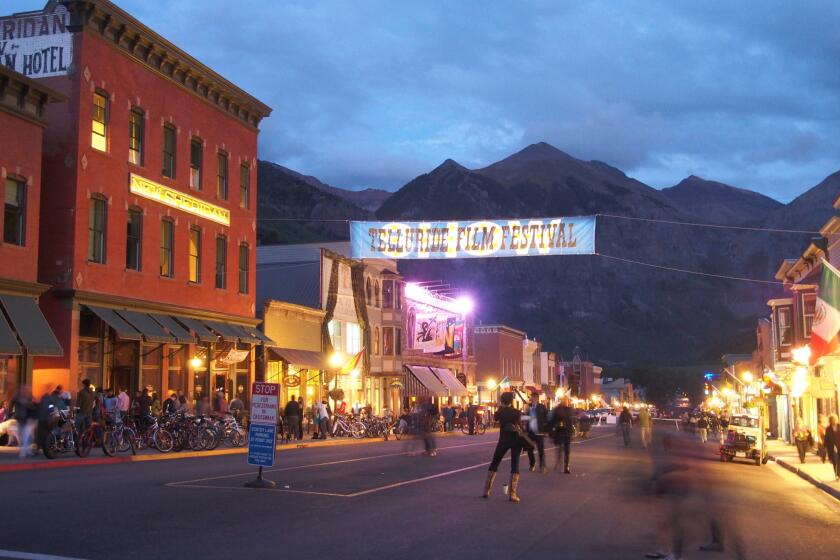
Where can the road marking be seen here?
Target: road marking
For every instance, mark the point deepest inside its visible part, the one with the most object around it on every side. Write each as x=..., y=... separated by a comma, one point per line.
x=32, y=556
x=324, y=464
x=286, y=490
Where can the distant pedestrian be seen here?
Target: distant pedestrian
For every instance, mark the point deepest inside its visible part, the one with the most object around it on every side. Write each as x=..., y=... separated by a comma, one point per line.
x=562, y=425
x=111, y=405
x=124, y=402
x=703, y=429
x=26, y=414
x=645, y=426
x=822, y=424
x=322, y=417
x=291, y=417
x=157, y=407
x=236, y=408
x=428, y=416
x=182, y=404
x=625, y=421
x=170, y=406
x=802, y=438
x=537, y=424
x=509, y=440
x=202, y=406
x=85, y=401
x=832, y=438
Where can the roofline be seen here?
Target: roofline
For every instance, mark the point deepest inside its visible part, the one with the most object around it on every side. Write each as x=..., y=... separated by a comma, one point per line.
x=280, y=304
x=35, y=85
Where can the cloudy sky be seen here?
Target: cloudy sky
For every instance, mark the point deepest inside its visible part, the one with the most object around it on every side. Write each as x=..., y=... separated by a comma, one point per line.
x=374, y=93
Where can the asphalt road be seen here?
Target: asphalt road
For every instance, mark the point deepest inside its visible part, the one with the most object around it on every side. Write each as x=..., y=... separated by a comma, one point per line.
x=382, y=501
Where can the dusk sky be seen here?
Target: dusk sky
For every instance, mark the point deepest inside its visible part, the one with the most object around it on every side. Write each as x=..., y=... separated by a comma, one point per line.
x=376, y=93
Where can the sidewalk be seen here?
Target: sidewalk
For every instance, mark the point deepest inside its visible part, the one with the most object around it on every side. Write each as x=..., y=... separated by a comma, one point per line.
x=813, y=470
x=9, y=461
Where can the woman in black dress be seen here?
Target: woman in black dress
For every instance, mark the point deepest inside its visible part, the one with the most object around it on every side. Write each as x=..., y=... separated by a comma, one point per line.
x=508, y=419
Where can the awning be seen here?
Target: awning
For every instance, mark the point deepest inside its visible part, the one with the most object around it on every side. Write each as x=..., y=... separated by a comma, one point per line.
x=120, y=326
x=199, y=330
x=255, y=332
x=8, y=342
x=226, y=331
x=31, y=326
x=181, y=334
x=304, y=358
x=150, y=330
x=244, y=334
x=425, y=376
x=456, y=389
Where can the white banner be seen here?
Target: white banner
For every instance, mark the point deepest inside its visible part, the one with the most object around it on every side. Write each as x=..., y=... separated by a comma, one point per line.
x=37, y=45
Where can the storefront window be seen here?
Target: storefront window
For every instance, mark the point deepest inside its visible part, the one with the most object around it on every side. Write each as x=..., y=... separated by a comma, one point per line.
x=124, y=373
x=387, y=341
x=9, y=377
x=176, y=372
x=201, y=374
x=152, y=361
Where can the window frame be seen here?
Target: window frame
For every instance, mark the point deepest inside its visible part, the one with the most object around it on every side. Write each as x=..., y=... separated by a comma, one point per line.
x=196, y=167
x=245, y=186
x=104, y=122
x=222, y=179
x=808, y=318
x=138, y=241
x=140, y=129
x=223, y=262
x=387, y=341
x=167, y=223
x=95, y=201
x=19, y=210
x=788, y=310
x=194, y=266
x=247, y=252
x=387, y=294
x=169, y=128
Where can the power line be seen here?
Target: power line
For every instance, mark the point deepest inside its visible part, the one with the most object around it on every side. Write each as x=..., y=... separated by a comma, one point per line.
x=715, y=226
x=695, y=272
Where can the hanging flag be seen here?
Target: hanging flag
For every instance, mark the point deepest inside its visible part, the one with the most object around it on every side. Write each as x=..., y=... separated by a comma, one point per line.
x=505, y=383
x=826, y=323
x=352, y=363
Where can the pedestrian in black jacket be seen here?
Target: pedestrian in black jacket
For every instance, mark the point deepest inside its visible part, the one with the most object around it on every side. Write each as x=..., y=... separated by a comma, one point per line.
x=562, y=424
x=292, y=418
x=832, y=435
x=537, y=424
x=509, y=440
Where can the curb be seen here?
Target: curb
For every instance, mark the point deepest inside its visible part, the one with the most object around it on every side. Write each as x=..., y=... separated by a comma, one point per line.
x=835, y=493
x=95, y=461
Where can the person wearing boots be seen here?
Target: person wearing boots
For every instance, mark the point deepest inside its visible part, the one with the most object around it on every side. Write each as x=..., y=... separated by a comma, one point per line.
x=509, y=440
x=563, y=426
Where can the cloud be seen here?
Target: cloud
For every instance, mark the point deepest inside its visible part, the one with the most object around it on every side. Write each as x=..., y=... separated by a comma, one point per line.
x=374, y=92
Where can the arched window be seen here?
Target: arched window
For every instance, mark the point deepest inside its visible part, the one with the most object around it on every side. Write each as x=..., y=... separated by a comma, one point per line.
x=368, y=292
x=376, y=341
x=376, y=292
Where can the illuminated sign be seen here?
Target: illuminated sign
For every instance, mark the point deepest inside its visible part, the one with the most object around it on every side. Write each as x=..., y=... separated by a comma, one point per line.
x=37, y=44
x=522, y=237
x=176, y=199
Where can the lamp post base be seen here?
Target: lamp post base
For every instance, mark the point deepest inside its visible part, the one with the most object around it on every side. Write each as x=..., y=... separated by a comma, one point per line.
x=260, y=482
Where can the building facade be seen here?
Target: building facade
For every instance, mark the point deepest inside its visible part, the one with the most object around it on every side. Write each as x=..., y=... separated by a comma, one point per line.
x=148, y=211
x=498, y=356
x=24, y=332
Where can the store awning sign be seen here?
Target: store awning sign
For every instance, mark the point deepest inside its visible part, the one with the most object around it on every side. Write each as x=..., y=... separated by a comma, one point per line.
x=176, y=199
x=521, y=237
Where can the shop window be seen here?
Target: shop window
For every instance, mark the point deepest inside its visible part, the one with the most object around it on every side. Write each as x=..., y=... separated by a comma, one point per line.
x=376, y=293
x=222, y=176
x=196, y=157
x=387, y=294
x=243, y=267
x=89, y=324
x=10, y=378
x=244, y=186
x=221, y=262
x=784, y=326
x=354, y=338
x=133, y=239
x=397, y=341
x=14, y=212
x=136, y=136
x=809, y=306
x=167, y=242
x=387, y=341
x=176, y=371
x=195, y=255
x=169, y=144
x=96, y=229
x=398, y=295
x=99, y=122
x=151, y=359
x=376, y=340
x=335, y=329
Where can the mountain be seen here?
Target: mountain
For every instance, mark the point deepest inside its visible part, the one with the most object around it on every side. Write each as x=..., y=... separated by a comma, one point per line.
x=367, y=199
x=810, y=210
x=720, y=203
x=284, y=196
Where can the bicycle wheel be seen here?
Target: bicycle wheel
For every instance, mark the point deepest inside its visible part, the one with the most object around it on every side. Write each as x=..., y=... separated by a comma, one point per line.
x=357, y=430
x=398, y=433
x=126, y=440
x=481, y=428
x=51, y=448
x=109, y=443
x=85, y=443
x=236, y=438
x=163, y=441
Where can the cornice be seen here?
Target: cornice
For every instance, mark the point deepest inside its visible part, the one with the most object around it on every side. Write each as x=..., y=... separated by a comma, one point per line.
x=24, y=97
x=104, y=19
x=19, y=287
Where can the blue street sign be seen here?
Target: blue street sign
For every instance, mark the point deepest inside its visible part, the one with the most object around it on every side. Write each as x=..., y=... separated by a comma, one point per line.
x=261, y=441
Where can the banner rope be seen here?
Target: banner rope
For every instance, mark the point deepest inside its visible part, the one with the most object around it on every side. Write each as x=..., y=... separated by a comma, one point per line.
x=695, y=272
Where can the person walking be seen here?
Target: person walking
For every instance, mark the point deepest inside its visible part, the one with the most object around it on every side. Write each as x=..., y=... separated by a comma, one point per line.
x=291, y=416
x=625, y=421
x=25, y=412
x=562, y=424
x=802, y=438
x=537, y=423
x=85, y=401
x=822, y=424
x=156, y=407
x=645, y=425
x=509, y=430
x=124, y=402
x=471, y=414
x=831, y=447
x=703, y=429
x=323, y=417
x=428, y=416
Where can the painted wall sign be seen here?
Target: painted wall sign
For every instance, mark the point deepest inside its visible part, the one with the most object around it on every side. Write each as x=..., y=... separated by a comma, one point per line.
x=37, y=44
x=176, y=199
x=522, y=237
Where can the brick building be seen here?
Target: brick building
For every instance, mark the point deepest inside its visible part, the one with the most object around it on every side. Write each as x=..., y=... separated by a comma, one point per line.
x=148, y=216
x=498, y=355
x=24, y=333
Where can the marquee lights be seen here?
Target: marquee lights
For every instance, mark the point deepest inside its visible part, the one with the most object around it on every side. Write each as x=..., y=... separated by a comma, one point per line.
x=176, y=199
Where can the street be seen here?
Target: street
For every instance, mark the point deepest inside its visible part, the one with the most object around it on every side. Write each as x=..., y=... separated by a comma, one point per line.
x=385, y=500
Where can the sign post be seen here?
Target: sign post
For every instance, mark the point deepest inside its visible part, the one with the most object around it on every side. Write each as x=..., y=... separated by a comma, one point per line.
x=262, y=430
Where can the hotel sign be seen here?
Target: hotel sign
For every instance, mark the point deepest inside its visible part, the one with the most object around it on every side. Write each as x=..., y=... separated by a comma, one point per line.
x=37, y=45
x=176, y=199
x=523, y=237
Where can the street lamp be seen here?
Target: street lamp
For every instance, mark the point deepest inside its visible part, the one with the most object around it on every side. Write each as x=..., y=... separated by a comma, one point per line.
x=196, y=362
x=747, y=376
x=801, y=355
x=336, y=360
x=491, y=384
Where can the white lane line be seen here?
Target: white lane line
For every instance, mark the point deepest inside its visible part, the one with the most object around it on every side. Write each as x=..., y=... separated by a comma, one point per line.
x=286, y=490
x=325, y=464
x=32, y=555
